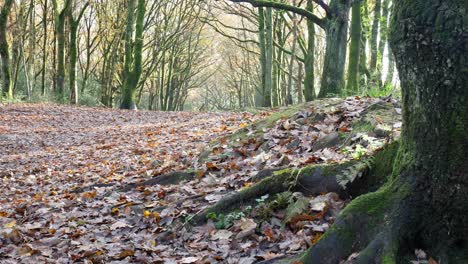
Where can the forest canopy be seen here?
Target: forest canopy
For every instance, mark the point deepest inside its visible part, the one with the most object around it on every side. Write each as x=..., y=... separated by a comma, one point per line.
x=175, y=55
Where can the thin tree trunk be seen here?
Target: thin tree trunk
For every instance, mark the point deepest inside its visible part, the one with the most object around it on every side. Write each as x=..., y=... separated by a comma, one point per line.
x=269, y=58
x=44, y=48
x=352, y=86
x=60, y=24
x=74, y=24
x=300, y=70
x=288, y=99
x=365, y=30
x=374, y=41
x=260, y=98
x=309, y=87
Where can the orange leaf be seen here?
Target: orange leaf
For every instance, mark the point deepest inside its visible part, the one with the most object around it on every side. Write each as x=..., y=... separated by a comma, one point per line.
x=432, y=261
x=89, y=195
x=316, y=238
x=126, y=253
x=211, y=166
x=269, y=234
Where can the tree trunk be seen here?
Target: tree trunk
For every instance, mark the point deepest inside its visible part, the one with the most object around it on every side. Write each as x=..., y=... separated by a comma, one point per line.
x=427, y=39
x=133, y=54
x=269, y=57
x=288, y=98
x=382, y=41
x=365, y=30
x=374, y=37
x=423, y=204
x=261, y=40
x=72, y=69
x=391, y=67
x=335, y=53
x=352, y=86
x=5, y=50
x=44, y=48
x=74, y=24
x=309, y=87
x=60, y=24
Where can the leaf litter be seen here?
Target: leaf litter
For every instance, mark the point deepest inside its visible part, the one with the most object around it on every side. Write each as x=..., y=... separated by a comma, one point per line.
x=48, y=151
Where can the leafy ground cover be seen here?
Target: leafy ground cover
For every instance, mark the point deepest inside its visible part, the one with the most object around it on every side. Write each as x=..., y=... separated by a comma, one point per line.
x=84, y=184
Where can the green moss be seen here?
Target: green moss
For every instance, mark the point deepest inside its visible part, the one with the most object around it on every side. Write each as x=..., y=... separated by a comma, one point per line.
x=389, y=257
x=458, y=135
x=362, y=126
x=404, y=158
x=383, y=163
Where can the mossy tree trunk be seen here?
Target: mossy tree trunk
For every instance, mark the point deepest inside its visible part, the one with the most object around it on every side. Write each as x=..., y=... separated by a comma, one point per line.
x=423, y=204
x=426, y=38
x=268, y=58
x=335, y=54
x=391, y=67
x=133, y=53
x=60, y=34
x=74, y=24
x=352, y=87
x=365, y=30
x=44, y=48
x=374, y=49
x=261, y=41
x=382, y=41
x=309, y=79
x=5, y=50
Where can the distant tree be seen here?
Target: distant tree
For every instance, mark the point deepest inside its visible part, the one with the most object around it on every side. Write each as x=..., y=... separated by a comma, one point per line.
x=133, y=53
x=352, y=85
x=73, y=24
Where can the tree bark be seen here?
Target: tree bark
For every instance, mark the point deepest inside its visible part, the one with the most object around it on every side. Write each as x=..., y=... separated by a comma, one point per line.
x=5, y=50
x=309, y=87
x=44, y=48
x=335, y=53
x=133, y=54
x=352, y=86
x=374, y=37
x=60, y=28
x=428, y=38
x=382, y=41
x=423, y=204
x=74, y=24
x=269, y=58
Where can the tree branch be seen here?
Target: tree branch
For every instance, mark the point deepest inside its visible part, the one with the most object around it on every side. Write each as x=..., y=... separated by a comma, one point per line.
x=300, y=11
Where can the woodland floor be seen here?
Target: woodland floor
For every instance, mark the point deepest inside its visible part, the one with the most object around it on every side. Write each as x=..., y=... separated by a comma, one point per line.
x=67, y=178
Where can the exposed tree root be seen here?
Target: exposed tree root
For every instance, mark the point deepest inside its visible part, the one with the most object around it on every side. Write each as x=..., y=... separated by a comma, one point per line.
x=363, y=227
x=165, y=179
x=311, y=180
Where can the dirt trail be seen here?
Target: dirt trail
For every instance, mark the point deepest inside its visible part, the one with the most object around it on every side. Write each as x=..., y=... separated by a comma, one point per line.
x=48, y=153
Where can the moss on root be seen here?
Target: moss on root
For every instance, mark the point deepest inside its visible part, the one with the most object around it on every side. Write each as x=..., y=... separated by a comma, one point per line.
x=310, y=180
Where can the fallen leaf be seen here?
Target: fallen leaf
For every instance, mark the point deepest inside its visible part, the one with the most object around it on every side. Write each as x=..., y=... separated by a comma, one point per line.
x=10, y=224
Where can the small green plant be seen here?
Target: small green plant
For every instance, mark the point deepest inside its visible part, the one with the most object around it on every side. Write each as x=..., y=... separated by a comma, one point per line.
x=262, y=199
x=222, y=221
x=359, y=152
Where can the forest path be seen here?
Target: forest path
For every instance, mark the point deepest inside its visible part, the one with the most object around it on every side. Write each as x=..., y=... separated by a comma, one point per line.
x=46, y=151
x=66, y=175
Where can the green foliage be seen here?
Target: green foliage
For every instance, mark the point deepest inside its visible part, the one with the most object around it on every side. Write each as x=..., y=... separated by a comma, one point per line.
x=351, y=173
x=377, y=91
x=222, y=221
